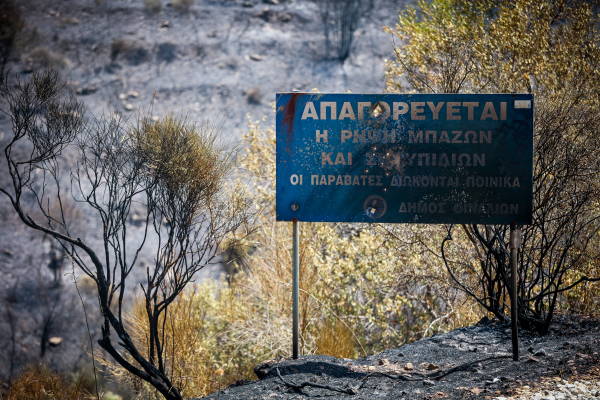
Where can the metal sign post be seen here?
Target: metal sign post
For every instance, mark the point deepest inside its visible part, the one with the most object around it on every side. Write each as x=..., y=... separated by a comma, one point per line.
x=295, y=286
x=404, y=158
x=515, y=243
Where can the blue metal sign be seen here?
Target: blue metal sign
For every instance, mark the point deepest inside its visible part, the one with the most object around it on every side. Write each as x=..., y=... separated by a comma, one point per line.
x=418, y=158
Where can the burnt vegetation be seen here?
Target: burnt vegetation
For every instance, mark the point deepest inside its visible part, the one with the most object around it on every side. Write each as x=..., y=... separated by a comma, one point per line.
x=560, y=249
x=175, y=169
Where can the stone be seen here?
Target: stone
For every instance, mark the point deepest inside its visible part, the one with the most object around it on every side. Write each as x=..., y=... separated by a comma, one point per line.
x=273, y=2
x=256, y=57
x=432, y=367
x=55, y=341
x=540, y=353
x=133, y=93
x=128, y=107
x=248, y=4
x=428, y=382
x=384, y=361
x=408, y=366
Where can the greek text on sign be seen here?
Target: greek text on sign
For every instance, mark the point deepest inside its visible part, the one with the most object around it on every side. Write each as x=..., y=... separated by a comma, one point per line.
x=419, y=158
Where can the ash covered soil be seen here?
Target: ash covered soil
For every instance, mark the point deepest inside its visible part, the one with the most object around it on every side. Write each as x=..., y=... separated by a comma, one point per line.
x=472, y=362
x=222, y=58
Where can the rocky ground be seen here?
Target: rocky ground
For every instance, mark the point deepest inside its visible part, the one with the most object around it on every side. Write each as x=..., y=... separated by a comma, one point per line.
x=473, y=362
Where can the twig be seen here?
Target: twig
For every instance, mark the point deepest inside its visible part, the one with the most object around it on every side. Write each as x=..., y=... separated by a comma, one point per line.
x=399, y=377
x=350, y=390
x=88, y=329
x=439, y=375
x=434, y=376
x=463, y=366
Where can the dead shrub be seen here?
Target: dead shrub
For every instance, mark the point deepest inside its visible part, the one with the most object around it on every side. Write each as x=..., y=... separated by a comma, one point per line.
x=183, y=5
x=166, y=52
x=153, y=5
x=38, y=382
x=340, y=20
x=254, y=95
x=69, y=21
x=49, y=59
x=117, y=47
x=131, y=52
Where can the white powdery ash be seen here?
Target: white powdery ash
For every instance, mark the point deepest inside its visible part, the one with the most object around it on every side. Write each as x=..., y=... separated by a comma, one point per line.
x=565, y=390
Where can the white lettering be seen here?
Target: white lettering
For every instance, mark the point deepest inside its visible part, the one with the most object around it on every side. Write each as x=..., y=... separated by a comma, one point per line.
x=326, y=158
x=470, y=108
x=444, y=137
x=489, y=112
x=346, y=135
x=321, y=136
x=416, y=109
x=415, y=139
x=457, y=135
x=399, y=108
x=451, y=111
x=435, y=109
x=340, y=159
x=310, y=111
x=347, y=112
x=332, y=107
x=361, y=106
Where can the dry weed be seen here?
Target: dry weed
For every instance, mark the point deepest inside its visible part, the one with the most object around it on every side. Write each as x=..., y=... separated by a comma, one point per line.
x=335, y=339
x=38, y=382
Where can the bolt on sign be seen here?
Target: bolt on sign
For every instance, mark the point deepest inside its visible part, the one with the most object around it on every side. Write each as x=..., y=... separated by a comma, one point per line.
x=405, y=158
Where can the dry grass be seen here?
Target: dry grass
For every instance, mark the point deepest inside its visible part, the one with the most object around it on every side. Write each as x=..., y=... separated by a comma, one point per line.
x=38, y=382
x=195, y=333
x=335, y=339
